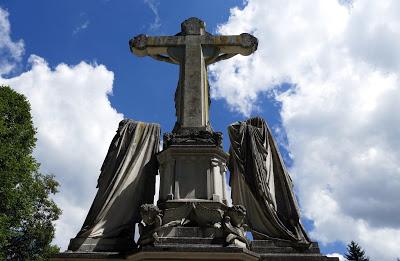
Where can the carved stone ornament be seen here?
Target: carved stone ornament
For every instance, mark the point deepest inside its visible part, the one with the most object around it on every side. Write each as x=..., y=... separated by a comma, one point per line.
x=190, y=136
x=234, y=226
x=196, y=214
x=151, y=223
x=193, y=26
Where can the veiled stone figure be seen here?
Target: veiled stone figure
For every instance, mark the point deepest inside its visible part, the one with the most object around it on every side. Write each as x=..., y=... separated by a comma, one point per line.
x=260, y=182
x=126, y=182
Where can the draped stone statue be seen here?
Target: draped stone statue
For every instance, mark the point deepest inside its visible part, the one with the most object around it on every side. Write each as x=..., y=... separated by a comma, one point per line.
x=191, y=220
x=261, y=183
x=126, y=182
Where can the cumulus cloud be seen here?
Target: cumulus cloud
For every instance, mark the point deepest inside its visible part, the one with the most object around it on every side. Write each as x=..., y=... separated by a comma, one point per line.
x=341, y=258
x=341, y=113
x=10, y=52
x=75, y=123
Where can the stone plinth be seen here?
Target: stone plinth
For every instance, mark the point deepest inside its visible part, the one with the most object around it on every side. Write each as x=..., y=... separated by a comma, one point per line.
x=193, y=249
x=158, y=253
x=101, y=244
x=281, y=250
x=190, y=173
x=203, y=213
x=174, y=235
x=191, y=243
x=88, y=256
x=282, y=246
x=193, y=252
x=296, y=257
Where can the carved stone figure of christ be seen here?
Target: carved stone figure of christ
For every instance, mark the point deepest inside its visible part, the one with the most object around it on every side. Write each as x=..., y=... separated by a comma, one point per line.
x=193, y=49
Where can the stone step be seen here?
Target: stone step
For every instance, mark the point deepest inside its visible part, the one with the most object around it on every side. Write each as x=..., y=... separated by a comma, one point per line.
x=281, y=246
x=188, y=240
x=187, y=232
x=281, y=243
x=283, y=250
x=296, y=257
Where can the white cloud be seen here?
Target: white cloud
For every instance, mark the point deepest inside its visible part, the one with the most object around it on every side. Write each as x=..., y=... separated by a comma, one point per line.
x=10, y=52
x=341, y=258
x=81, y=27
x=341, y=115
x=153, y=5
x=75, y=123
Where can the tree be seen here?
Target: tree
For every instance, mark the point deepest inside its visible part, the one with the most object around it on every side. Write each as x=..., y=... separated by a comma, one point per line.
x=355, y=252
x=27, y=212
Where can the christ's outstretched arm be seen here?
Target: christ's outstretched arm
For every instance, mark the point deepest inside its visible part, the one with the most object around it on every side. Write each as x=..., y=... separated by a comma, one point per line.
x=220, y=57
x=163, y=58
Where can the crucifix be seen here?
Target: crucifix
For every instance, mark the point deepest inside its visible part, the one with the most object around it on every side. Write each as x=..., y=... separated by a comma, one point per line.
x=193, y=49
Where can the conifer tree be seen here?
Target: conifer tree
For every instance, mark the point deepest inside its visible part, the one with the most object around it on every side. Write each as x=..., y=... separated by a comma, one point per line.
x=355, y=252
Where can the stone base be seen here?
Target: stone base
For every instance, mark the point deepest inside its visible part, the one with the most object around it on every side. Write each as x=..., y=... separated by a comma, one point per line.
x=192, y=172
x=186, y=235
x=202, y=213
x=195, y=243
x=192, y=136
x=87, y=256
x=296, y=257
x=114, y=245
x=193, y=251
x=282, y=246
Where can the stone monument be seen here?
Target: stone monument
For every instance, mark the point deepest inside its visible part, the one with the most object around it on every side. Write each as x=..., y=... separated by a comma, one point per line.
x=192, y=220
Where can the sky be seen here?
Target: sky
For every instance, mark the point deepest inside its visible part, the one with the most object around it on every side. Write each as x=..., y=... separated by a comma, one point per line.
x=325, y=77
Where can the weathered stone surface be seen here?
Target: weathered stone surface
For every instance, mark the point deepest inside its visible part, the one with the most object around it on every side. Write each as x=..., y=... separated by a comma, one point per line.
x=88, y=256
x=150, y=224
x=234, y=227
x=193, y=49
x=192, y=173
x=126, y=179
x=192, y=220
x=280, y=246
x=194, y=252
x=260, y=182
x=101, y=244
x=192, y=136
x=190, y=243
x=179, y=235
x=296, y=257
x=193, y=213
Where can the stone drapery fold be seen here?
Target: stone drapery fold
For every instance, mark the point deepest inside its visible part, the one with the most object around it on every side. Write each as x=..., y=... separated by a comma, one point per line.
x=126, y=181
x=261, y=183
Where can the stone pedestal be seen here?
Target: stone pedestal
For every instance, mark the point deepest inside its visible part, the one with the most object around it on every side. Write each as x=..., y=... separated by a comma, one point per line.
x=101, y=244
x=194, y=249
x=192, y=214
x=192, y=173
x=201, y=213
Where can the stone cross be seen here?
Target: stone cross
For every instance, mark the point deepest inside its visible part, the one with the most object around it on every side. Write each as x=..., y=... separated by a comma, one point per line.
x=193, y=49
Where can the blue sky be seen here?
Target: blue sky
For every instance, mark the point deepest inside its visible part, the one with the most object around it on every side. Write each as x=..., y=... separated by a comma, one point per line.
x=327, y=89
x=99, y=31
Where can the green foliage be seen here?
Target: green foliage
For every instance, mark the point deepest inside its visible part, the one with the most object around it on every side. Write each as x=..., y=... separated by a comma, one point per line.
x=355, y=252
x=26, y=211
